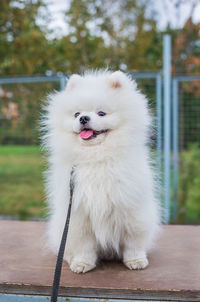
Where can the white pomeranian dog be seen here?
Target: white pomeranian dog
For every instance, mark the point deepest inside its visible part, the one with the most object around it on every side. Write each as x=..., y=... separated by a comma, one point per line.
x=100, y=125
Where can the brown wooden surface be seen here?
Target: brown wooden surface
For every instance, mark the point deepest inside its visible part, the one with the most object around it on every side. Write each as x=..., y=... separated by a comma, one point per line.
x=173, y=274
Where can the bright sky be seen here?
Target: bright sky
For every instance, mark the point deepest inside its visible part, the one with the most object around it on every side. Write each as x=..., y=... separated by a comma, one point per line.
x=164, y=7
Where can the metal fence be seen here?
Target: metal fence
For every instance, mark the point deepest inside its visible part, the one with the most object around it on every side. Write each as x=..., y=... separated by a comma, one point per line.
x=185, y=147
x=177, y=121
x=21, y=99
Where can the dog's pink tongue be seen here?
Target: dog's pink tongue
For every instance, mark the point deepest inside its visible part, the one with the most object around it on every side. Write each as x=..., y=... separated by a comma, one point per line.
x=85, y=134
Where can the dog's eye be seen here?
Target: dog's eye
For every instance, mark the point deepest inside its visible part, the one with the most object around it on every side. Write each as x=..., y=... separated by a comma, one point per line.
x=76, y=114
x=101, y=113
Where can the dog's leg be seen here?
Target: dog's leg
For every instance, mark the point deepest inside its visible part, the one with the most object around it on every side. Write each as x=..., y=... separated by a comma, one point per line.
x=84, y=259
x=134, y=252
x=81, y=251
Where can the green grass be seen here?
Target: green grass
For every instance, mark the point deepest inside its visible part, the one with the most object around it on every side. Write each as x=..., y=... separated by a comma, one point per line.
x=22, y=185
x=21, y=182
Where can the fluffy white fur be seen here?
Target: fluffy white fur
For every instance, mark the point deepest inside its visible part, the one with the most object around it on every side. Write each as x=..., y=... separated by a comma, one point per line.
x=115, y=211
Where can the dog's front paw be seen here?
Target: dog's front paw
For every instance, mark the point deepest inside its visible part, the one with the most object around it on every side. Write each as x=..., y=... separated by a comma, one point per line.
x=81, y=267
x=139, y=263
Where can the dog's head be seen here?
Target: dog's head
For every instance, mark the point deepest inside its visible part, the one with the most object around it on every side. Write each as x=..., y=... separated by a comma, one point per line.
x=96, y=112
x=98, y=107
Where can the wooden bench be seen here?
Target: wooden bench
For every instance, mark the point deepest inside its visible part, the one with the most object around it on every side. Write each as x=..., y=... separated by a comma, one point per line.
x=27, y=268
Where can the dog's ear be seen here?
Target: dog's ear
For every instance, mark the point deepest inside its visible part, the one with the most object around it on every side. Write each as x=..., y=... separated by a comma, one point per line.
x=73, y=80
x=117, y=79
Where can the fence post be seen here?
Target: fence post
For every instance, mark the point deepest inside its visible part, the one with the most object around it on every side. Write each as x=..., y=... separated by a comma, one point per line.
x=175, y=145
x=167, y=120
x=159, y=127
x=62, y=82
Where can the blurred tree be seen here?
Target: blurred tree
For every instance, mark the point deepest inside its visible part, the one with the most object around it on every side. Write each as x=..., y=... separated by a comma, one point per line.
x=186, y=60
x=24, y=48
x=110, y=33
x=119, y=34
x=143, y=43
x=81, y=47
x=100, y=33
x=186, y=50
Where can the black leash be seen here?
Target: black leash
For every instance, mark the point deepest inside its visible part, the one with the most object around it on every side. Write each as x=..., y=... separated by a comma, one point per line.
x=59, y=262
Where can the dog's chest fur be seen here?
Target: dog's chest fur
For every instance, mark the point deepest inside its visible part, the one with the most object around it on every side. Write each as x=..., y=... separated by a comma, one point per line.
x=101, y=191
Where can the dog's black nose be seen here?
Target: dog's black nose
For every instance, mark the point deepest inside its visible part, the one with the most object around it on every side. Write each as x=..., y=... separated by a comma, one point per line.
x=84, y=119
